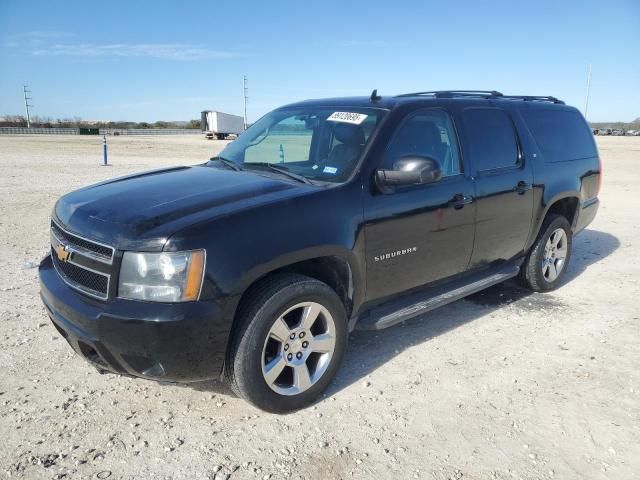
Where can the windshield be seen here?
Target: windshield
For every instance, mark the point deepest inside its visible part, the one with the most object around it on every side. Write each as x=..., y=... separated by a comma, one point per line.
x=317, y=143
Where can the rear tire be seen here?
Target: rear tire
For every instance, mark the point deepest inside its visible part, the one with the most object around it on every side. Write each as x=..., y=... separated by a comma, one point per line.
x=290, y=340
x=547, y=261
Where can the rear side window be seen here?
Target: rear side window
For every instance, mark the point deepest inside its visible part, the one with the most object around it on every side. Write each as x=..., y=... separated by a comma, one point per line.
x=492, y=140
x=561, y=135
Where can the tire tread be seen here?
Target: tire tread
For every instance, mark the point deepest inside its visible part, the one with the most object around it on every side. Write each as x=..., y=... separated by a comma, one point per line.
x=249, y=313
x=530, y=271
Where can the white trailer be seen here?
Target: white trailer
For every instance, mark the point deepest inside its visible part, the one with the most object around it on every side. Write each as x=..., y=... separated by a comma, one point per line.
x=220, y=124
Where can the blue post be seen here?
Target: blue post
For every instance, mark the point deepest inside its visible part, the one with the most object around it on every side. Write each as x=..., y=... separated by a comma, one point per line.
x=104, y=150
x=281, y=154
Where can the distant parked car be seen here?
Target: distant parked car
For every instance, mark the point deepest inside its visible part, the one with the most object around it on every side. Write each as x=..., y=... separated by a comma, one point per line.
x=604, y=131
x=618, y=132
x=633, y=133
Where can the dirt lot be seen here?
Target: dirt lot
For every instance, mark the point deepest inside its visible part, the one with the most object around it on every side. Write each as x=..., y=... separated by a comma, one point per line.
x=504, y=385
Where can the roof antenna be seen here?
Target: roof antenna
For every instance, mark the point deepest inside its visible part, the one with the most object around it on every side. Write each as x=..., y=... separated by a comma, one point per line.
x=374, y=96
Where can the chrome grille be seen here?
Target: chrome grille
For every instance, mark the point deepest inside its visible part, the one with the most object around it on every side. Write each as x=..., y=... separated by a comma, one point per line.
x=83, y=264
x=89, y=246
x=85, y=280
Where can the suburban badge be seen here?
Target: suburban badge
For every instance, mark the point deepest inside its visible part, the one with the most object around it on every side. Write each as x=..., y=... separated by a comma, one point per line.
x=397, y=253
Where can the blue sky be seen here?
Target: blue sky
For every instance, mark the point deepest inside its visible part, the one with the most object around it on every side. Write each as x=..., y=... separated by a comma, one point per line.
x=147, y=61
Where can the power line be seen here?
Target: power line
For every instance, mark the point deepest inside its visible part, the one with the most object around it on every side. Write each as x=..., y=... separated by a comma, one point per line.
x=586, y=102
x=245, y=90
x=27, y=104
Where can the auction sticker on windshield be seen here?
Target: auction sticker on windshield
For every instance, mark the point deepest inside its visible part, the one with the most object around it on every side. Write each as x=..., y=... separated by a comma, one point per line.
x=347, y=117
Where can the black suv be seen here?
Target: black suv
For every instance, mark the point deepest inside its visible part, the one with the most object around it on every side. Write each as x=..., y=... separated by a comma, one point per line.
x=323, y=217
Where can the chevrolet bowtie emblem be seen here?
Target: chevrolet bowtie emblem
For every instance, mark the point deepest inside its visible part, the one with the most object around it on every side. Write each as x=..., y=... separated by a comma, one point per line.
x=61, y=252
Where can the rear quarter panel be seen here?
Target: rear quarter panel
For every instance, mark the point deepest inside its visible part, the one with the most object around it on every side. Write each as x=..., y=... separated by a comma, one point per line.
x=556, y=180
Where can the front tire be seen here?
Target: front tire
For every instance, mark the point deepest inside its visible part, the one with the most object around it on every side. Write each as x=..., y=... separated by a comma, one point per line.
x=547, y=261
x=291, y=337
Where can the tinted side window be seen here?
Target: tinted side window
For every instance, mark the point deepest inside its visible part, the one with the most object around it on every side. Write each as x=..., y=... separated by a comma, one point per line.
x=427, y=133
x=491, y=138
x=561, y=135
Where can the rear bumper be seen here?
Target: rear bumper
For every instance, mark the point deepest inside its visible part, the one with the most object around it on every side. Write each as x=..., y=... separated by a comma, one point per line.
x=586, y=214
x=167, y=342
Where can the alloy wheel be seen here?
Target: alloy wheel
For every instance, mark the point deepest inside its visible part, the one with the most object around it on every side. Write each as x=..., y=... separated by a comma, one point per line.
x=555, y=254
x=298, y=348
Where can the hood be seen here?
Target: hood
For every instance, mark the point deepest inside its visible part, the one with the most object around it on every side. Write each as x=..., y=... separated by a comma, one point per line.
x=142, y=211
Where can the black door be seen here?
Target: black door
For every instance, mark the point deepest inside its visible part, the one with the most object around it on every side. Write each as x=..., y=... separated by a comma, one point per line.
x=420, y=234
x=503, y=185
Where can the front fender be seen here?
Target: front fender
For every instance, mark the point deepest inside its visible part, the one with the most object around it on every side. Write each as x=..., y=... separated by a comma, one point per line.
x=246, y=245
x=291, y=258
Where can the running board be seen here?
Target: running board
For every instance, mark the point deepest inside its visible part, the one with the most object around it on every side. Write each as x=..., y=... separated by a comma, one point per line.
x=415, y=304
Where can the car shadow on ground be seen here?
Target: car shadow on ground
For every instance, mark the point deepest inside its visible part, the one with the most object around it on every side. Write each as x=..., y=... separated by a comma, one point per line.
x=368, y=350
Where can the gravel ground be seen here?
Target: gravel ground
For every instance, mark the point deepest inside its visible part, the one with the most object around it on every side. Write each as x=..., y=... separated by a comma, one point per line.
x=504, y=385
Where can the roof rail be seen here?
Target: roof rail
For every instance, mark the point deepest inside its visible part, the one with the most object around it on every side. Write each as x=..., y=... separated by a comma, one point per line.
x=456, y=93
x=534, y=98
x=486, y=94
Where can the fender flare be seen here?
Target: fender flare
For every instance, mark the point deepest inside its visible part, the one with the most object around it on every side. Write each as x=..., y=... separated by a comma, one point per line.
x=357, y=277
x=547, y=204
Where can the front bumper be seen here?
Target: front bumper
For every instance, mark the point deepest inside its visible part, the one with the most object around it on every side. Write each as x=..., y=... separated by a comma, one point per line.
x=179, y=342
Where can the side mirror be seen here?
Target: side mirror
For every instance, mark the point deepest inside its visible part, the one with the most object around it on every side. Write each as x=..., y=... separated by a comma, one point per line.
x=409, y=170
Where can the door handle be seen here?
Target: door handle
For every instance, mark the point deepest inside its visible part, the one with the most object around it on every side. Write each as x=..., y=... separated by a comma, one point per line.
x=522, y=187
x=459, y=200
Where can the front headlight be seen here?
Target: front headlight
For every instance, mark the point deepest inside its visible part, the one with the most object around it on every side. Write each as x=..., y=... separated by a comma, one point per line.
x=161, y=277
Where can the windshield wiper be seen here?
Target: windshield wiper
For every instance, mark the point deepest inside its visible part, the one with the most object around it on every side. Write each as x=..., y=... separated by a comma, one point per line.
x=282, y=170
x=228, y=163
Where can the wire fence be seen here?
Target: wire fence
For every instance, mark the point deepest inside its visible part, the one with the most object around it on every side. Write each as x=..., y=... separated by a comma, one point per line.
x=148, y=131
x=38, y=131
x=102, y=131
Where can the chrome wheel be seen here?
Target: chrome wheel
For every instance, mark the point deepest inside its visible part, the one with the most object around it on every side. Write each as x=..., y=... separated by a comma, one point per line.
x=555, y=254
x=298, y=348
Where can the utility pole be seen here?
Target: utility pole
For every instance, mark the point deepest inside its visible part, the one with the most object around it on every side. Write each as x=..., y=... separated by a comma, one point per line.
x=245, y=94
x=586, y=102
x=26, y=104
